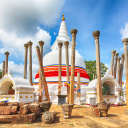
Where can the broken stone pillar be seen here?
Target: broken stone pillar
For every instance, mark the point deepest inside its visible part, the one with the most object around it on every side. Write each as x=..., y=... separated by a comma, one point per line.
x=67, y=110
x=25, y=61
x=96, y=35
x=3, y=72
x=66, y=43
x=125, y=41
x=121, y=68
x=112, y=61
x=72, y=83
x=60, y=59
x=118, y=69
x=42, y=72
x=30, y=61
x=6, y=62
x=115, y=65
x=41, y=43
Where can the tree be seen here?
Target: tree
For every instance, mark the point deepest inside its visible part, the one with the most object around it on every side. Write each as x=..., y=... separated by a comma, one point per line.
x=91, y=69
x=0, y=73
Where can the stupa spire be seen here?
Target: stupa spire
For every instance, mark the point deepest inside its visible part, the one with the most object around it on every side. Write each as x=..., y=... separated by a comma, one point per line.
x=63, y=19
x=62, y=35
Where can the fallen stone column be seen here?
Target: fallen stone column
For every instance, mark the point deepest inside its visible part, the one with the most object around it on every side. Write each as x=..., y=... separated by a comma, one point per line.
x=42, y=72
x=41, y=43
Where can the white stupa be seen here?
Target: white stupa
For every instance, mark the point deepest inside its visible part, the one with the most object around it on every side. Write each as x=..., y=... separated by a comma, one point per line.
x=51, y=61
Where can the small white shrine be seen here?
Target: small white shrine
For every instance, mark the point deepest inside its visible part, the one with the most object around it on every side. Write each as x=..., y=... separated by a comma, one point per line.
x=110, y=90
x=16, y=89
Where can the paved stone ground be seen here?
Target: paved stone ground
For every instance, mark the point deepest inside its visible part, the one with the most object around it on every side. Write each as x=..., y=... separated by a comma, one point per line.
x=81, y=118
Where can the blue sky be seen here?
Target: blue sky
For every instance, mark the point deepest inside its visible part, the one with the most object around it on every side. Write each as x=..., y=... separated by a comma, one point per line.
x=24, y=20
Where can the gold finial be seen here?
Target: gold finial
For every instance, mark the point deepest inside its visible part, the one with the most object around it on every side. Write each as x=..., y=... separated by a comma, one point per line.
x=63, y=18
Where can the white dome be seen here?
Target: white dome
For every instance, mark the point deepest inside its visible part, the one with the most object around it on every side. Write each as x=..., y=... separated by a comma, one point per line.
x=53, y=58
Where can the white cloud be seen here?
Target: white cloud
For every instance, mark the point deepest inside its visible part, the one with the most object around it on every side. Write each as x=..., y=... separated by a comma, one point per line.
x=124, y=31
x=15, y=45
x=23, y=16
x=19, y=23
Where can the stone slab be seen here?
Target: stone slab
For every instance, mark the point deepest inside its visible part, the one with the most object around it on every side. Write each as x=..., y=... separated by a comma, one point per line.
x=5, y=110
x=21, y=119
x=5, y=118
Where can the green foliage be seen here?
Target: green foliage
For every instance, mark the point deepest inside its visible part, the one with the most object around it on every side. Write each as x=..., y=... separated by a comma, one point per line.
x=91, y=68
x=1, y=73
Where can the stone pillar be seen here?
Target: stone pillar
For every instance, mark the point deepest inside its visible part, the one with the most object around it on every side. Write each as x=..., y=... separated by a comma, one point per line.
x=25, y=60
x=115, y=65
x=73, y=32
x=6, y=62
x=96, y=35
x=78, y=92
x=30, y=61
x=3, y=72
x=118, y=69
x=60, y=59
x=42, y=72
x=66, y=43
x=125, y=41
x=41, y=43
x=112, y=61
x=121, y=68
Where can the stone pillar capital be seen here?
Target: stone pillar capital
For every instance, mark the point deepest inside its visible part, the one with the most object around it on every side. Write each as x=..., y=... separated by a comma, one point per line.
x=113, y=52
x=41, y=43
x=66, y=43
x=6, y=53
x=60, y=44
x=30, y=43
x=116, y=54
x=26, y=45
x=125, y=41
x=96, y=34
x=74, y=31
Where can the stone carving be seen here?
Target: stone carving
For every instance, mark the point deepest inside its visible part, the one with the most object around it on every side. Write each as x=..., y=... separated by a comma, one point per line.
x=48, y=117
x=67, y=110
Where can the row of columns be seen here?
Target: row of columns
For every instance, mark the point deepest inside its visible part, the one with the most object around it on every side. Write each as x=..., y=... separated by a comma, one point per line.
x=118, y=64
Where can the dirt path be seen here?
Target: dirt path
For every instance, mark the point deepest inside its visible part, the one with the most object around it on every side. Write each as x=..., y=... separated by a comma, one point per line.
x=81, y=118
